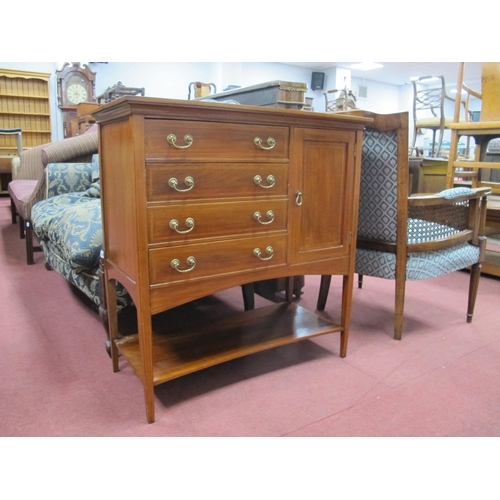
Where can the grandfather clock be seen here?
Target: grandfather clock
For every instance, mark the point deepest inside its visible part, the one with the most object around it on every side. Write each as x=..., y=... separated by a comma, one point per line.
x=75, y=84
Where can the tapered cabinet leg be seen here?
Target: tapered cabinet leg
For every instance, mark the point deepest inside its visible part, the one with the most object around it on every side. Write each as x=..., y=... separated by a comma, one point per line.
x=345, y=319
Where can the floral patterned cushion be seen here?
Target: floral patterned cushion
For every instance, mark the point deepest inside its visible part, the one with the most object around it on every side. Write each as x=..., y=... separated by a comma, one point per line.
x=72, y=223
x=69, y=226
x=63, y=178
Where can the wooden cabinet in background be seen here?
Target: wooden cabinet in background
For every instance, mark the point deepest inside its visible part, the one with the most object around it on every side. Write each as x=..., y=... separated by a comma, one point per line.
x=199, y=197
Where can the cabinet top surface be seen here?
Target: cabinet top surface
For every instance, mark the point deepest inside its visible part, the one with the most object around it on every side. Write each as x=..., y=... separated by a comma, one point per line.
x=152, y=107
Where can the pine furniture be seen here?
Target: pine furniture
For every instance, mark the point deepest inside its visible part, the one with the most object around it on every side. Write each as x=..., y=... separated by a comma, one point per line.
x=198, y=197
x=477, y=172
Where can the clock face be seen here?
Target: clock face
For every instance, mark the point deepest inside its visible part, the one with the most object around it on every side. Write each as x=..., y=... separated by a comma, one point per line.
x=76, y=93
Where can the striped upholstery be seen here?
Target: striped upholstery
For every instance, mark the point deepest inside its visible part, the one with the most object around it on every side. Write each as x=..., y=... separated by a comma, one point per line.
x=34, y=161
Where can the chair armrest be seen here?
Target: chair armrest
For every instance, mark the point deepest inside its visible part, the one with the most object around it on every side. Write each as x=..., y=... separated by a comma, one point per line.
x=34, y=160
x=448, y=196
x=446, y=218
x=75, y=149
x=64, y=178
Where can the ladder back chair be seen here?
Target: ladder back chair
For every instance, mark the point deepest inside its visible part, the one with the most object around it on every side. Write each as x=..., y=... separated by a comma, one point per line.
x=479, y=171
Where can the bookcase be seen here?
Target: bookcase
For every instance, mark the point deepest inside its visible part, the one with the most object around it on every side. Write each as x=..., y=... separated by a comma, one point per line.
x=24, y=104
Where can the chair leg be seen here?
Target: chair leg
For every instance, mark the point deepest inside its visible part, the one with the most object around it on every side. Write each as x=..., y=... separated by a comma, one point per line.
x=248, y=296
x=399, y=308
x=324, y=288
x=29, y=243
x=13, y=211
x=360, y=281
x=475, y=274
x=21, y=228
x=441, y=132
x=289, y=289
x=433, y=143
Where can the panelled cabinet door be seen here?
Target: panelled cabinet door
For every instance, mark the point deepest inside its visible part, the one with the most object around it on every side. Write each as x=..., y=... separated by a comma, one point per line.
x=321, y=189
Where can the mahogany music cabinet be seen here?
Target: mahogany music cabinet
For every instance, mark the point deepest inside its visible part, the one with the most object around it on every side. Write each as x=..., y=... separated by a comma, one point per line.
x=198, y=197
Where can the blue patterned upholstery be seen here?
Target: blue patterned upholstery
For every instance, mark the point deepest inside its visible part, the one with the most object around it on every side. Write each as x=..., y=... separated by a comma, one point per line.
x=378, y=218
x=68, y=223
x=431, y=235
x=378, y=188
x=62, y=178
x=420, y=265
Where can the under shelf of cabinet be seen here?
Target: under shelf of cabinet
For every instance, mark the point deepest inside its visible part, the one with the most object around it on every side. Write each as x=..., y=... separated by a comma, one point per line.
x=195, y=345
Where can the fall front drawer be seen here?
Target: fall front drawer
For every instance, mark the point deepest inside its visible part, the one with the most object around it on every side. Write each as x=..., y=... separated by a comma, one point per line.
x=179, y=263
x=213, y=180
x=187, y=221
x=191, y=140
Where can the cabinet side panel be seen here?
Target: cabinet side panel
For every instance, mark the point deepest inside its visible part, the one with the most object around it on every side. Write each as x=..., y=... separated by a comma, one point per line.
x=118, y=197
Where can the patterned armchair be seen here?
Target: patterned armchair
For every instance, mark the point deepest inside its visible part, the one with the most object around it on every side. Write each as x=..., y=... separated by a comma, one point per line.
x=68, y=223
x=411, y=238
x=28, y=177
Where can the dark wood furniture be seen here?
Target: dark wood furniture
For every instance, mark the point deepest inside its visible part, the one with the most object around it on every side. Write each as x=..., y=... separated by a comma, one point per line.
x=75, y=84
x=84, y=118
x=198, y=197
x=275, y=94
x=118, y=90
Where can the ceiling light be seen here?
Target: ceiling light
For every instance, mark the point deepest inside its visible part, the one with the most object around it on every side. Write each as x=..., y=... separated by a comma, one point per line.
x=366, y=66
x=425, y=79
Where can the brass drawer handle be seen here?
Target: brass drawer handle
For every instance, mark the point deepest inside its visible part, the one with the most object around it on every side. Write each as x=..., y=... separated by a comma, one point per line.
x=270, y=142
x=174, y=224
x=298, y=198
x=188, y=181
x=269, y=252
x=271, y=181
x=269, y=214
x=190, y=261
x=172, y=139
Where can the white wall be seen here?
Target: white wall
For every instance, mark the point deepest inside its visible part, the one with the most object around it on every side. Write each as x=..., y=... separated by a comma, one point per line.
x=171, y=80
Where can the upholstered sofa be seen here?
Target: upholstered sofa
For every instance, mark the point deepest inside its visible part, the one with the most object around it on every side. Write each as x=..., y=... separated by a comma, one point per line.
x=28, y=176
x=68, y=224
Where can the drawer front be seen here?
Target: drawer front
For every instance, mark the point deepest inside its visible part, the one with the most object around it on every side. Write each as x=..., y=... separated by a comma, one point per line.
x=183, y=262
x=188, y=221
x=215, y=180
x=185, y=140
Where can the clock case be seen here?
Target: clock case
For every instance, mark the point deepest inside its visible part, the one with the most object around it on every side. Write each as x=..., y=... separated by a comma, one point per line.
x=70, y=74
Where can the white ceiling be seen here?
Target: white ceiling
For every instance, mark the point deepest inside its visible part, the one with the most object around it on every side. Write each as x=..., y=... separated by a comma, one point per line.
x=399, y=73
